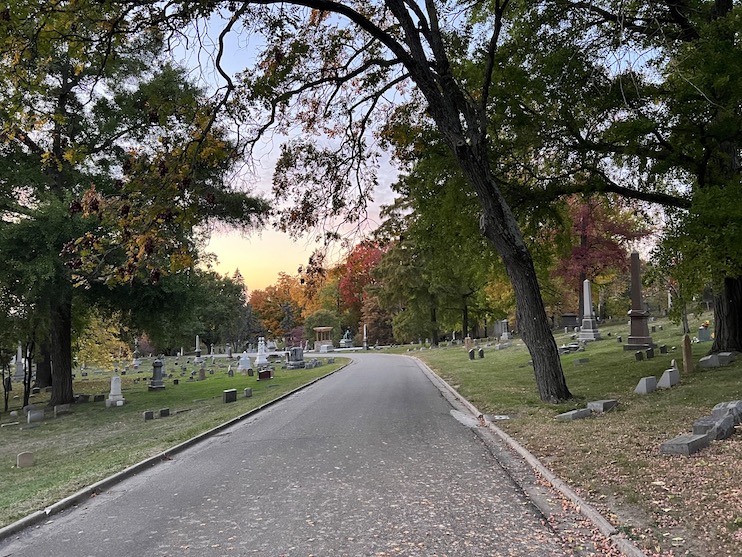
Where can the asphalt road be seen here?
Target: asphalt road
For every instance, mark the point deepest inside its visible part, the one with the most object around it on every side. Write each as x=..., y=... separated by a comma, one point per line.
x=368, y=462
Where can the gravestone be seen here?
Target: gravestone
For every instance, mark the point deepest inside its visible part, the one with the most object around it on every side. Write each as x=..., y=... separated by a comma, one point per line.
x=19, y=366
x=266, y=373
x=639, y=338
x=716, y=428
x=663, y=349
x=115, y=398
x=726, y=358
x=589, y=330
x=639, y=356
x=646, y=385
x=164, y=412
x=24, y=460
x=295, y=358
x=248, y=392
x=471, y=353
x=480, y=352
x=244, y=364
x=650, y=353
x=262, y=357
x=34, y=416
x=148, y=415
x=60, y=409
x=602, y=406
x=229, y=395
x=156, y=384
x=198, y=359
x=687, y=355
x=670, y=378
x=574, y=415
x=202, y=373
x=704, y=334
x=710, y=361
x=230, y=372
x=685, y=444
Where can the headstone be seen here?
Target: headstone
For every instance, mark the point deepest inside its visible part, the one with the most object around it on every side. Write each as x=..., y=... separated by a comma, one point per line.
x=156, y=384
x=704, y=334
x=580, y=361
x=716, y=428
x=266, y=373
x=229, y=395
x=471, y=354
x=19, y=366
x=601, y=406
x=734, y=408
x=710, y=361
x=726, y=358
x=148, y=415
x=164, y=412
x=639, y=356
x=261, y=359
x=687, y=355
x=574, y=415
x=685, y=444
x=198, y=350
x=589, y=330
x=202, y=373
x=650, y=353
x=480, y=352
x=230, y=372
x=670, y=378
x=646, y=385
x=115, y=396
x=639, y=338
x=24, y=460
x=243, y=364
x=176, y=381
x=60, y=409
x=619, y=338
x=663, y=349
x=35, y=390
x=248, y=392
x=34, y=416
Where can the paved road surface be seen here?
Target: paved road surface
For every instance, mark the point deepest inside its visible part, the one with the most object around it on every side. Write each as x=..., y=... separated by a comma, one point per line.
x=368, y=462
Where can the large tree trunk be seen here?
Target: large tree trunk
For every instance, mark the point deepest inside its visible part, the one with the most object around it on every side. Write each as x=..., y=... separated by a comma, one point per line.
x=728, y=317
x=465, y=319
x=44, y=367
x=433, y=325
x=61, y=347
x=501, y=229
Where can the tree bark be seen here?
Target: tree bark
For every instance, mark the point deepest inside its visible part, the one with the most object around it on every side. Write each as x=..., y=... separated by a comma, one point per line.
x=728, y=317
x=44, y=367
x=61, y=347
x=433, y=325
x=501, y=229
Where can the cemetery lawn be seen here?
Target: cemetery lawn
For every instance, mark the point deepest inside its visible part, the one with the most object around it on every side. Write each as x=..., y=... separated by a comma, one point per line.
x=93, y=442
x=669, y=505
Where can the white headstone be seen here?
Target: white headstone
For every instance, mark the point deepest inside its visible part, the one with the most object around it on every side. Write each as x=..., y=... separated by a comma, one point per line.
x=244, y=362
x=115, y=398
x=589, y=330
x=261, y=359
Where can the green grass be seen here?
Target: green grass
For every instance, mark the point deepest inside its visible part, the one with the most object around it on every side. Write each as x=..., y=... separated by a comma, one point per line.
x=614, y=459
x=92, y=442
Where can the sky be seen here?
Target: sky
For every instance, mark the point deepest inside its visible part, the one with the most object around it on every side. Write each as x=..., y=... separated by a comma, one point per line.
x=262, y=255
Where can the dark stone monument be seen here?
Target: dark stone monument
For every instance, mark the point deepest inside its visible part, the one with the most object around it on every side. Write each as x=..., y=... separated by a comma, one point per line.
x=229, y=395
x=639, y=338
x=471, y=354
x=156, y=383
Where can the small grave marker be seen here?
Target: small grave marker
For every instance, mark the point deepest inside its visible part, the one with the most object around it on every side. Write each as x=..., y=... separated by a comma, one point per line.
x=24, y=460
x=685, y=444
x=574, y=415
x=229, y=395
x=164, y=412
x=646, y=385
x=248, y=392
x=148, y=415
x=601, y=406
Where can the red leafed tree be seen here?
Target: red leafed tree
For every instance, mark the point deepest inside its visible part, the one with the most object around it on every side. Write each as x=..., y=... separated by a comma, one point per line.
x=356, y=276
x=602, y=230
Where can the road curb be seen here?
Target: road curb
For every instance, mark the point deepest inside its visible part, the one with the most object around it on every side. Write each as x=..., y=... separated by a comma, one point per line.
x=624, y=544
x=110, y=481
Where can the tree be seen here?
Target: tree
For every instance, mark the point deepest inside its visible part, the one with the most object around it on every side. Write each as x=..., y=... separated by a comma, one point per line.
x=602, y=230
x=329, y=69
x=113, y=158
x=356, y=277
x=652, y=114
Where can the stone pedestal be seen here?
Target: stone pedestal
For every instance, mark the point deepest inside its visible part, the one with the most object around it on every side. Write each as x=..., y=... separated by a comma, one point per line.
x=115, y=398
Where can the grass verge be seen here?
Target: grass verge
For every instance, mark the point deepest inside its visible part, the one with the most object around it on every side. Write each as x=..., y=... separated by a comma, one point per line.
x=670, y=505
x=93, y=442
